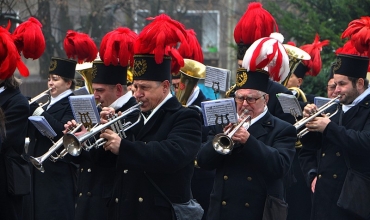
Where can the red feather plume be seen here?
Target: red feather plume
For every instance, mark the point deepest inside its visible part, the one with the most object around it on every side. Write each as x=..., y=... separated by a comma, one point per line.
x=194, y=51
x=9, y=56
x=29, y=39
x=256, y=23
x=359, y=32
x=160, y=36
x=348, y=48
x=314, y=64
x=80, y=46
x=291, y=43
x=117, y=46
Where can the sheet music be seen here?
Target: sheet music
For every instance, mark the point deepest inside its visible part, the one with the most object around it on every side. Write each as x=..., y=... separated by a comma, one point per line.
x=43, y=126
x=214, y=74
x=289, y=104
x=84, y=109
x=81, y=91
x=320, y=101
x=220, y=111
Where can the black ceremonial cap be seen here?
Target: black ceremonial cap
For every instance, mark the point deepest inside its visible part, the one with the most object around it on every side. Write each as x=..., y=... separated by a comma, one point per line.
x=300, y=70
x=110, y=75
x=257, y=80
x=145, y=68
x=351, y=65
x=62, y=67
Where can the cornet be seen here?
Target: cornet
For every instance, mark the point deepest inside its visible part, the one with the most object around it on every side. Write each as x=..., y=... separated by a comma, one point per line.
x=37, y=161
x=223, y=142
x=75, y=144
x=299, y=124
x=40, y=96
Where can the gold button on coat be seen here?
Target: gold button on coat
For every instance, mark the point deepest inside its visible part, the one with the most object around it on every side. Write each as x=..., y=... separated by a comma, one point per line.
x=88, y=193
x=226, y=177
x=334, y=176
x=82, y=169
x=249, y=178
x=89, y=170
x=141, y=199
x=338, y=154
x=125, y=171
x=323, y=155
x=80, y=194
x=223, y=203
x=319, y=176
x=116, y=200
x=246, y=204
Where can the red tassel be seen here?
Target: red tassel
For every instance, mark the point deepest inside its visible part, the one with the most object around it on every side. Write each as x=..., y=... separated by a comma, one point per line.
x=348, y=48
x=161, y=33
x=314, y=64
x=359, y=33
x=29, y=39
x=80, y=46
x=117, y=46
x=256, y=23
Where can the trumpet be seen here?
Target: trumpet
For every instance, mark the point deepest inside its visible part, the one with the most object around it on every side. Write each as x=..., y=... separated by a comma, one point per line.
x=40, y=96
x=222, y=142
x=299, y=124
x=75, y=144
x=37, y=161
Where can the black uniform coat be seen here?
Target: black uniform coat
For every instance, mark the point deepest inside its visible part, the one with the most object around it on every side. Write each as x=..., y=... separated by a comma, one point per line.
x=54, y=190
x=164, y=148
x=16, y=110
x=243, y=176
x=322, y=156
x=202, y=181
x=95, y=180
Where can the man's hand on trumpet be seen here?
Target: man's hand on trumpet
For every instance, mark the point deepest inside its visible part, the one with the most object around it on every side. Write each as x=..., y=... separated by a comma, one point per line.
x=113, y=141
x=105, y=114
x=70, y=125
x=317, y=124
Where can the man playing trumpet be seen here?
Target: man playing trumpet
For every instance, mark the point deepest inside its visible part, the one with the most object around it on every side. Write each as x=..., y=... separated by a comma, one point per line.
x=341, y=141
x=262, y=154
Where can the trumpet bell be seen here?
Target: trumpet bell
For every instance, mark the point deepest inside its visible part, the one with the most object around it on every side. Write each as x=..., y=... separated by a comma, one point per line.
x=222, y=144
x=72, y=144
x=36, y=162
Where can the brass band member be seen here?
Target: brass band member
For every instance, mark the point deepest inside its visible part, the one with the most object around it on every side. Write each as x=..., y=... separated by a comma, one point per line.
x=14, y=171
x=158, y=165
x=54, y=190
x=98, y=168
x=262, y=154
x=342, y=139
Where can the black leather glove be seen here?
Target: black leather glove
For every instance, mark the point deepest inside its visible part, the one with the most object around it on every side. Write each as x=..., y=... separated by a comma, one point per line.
x=33, y=107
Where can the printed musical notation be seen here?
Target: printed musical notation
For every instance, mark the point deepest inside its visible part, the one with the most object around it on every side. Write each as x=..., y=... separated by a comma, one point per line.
x=43, y=126
x=218, y=76
x=220, y=111
x=84, y=109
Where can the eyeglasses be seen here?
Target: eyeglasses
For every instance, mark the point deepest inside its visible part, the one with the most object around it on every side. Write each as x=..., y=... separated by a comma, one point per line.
x=250, y=100
x=331, y=87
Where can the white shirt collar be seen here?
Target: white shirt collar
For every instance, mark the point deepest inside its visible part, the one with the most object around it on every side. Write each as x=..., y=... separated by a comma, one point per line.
x=156, y=108
x=2, y=89
x=121, y=100
x=59, y=97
